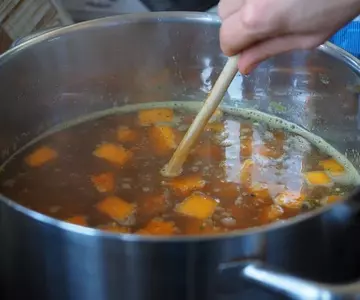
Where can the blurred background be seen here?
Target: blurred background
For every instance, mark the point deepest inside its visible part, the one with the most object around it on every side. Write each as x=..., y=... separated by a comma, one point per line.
x=19, y=18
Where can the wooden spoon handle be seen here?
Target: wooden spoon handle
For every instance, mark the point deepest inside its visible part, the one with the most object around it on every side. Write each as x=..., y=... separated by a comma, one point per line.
x=174, y=167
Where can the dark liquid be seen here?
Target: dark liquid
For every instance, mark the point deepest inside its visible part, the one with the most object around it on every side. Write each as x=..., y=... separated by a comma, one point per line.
x=62, y=188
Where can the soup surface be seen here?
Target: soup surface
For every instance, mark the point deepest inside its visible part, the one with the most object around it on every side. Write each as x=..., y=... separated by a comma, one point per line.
x=105, y=173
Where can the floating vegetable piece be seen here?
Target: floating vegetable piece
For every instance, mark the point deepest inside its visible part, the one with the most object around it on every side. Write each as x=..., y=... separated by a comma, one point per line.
x=104, y=182
x=197, y=205
x=41, y=156
x=271, y=213
x=332, y=166
x=186, y=184
x=163, y=139
x=333, y=198
x=156, y=115
x=125, y=134
x=116, y=208
x=113, y=153
x=260, y=190
x=246, y=172
x=317, y=178
x=77, y=220
x=290, y=200
x=157, y=227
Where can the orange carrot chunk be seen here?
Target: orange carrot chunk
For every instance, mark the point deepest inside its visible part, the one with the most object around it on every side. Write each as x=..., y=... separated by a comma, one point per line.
x=41, y=156
x=290, y=200
x=156, y=115
x=215, y=127
x=186, y=184
x=246, y=138
x=77, y=220
x=271, y=213
x=113, y=153
x=125, y=134
x=157, y=227
x=333, y=198
x=317, y=178
x=332, y=166
x=163, y=139
x=260, y=190
x=270, y=151
x=197, y=205
x=114, y=228
x=116, y=208
x=104, y=182
x=246, y=171
x=246, y=147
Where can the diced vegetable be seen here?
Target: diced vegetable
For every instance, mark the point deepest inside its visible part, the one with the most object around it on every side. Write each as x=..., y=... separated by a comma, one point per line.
x=333, y=198
x=157, y=227
x=163, y=139
x=270, y=152
x=215, y=127
x=246, y=147
x=125, y=134
x=78, y=220
x=156, y=115
x=290, y=200
x=116, y=208
x=246, y=172
x=186, y=184
x=113, y=153
x=197, y=205
x=104, y=182
x=332, y=166
x=246, y=139
x=260, y=190
x=271, y=213
x=317, y=178
x=41, y=156
x=114, y=228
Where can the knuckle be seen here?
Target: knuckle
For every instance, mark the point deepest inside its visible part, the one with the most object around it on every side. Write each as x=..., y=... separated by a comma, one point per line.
x=250, y=18
x=258, y=16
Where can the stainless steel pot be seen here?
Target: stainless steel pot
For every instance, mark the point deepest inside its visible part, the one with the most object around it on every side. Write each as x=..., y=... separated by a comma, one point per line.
x=92, y=66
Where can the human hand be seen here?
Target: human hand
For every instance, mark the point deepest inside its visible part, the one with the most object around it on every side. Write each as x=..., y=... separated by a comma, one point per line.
x=259, y=29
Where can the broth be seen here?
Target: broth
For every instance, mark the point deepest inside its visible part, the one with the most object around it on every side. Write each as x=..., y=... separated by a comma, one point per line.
x=244, y=172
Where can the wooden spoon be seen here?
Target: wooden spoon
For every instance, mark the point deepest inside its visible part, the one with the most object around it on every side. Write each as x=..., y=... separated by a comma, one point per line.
x=174, y=166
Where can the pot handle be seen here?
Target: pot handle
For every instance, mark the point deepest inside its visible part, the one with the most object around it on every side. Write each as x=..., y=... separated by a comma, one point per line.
x=290, y=286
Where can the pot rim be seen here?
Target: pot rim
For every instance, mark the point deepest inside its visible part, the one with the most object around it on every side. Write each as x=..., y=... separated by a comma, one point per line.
x=328, y=48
